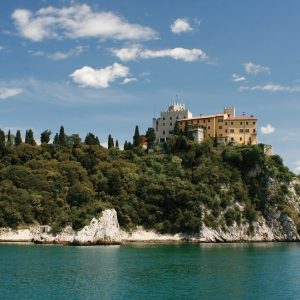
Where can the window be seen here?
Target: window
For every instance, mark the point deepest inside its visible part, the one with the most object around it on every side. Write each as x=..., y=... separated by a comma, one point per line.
x=208, y=127
x=241, y=130
x=170, y=118
x=231, y=130
x=177, y=118
x=253, y=123
x=220, y=134
x=247, y=123
x=170, y=131
x=225, y=123
x=226, y=130
x=164, y=132
x=241, y=139
x=241, y=123
x=232, y=139
x=180, y=123
x=163, y=118
x=220, y=127
x=208, y=120
x=254, y=130
x=247, y=130
x=231, y=123
x=209, y=135
x=220, y=120
x=164, y=124
x=170, y=124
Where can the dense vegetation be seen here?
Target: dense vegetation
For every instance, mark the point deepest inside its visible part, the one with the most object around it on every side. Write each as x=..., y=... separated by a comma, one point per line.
x=174, y=189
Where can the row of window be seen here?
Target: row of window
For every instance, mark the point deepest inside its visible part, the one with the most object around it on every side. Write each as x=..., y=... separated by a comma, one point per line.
x=219, y=120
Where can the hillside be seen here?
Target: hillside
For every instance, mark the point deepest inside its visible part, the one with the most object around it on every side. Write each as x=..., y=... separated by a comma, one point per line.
x=181, y=188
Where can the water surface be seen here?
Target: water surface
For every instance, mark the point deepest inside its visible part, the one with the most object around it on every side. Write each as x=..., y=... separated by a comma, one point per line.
x=155, y=271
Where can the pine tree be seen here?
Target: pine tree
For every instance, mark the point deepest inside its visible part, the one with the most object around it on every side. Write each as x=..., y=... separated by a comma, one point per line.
x=45, y=136
x=125, y=145
x=91, y=139
x=117, y=144
x=110, y=141
x=150, y=135
x=18, y=138
x=136, y=137
x=62, y=136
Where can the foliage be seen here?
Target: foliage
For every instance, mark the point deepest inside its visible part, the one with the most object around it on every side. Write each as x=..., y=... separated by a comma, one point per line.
x=175, y=189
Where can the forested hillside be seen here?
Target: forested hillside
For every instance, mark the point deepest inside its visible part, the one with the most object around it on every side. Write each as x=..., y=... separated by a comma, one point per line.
x=175, y=189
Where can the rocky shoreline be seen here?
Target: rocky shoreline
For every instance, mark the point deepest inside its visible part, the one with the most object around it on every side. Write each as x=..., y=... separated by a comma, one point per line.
x=106, y=231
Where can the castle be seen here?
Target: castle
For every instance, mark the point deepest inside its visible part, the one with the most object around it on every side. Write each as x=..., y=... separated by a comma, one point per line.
x=224, y=127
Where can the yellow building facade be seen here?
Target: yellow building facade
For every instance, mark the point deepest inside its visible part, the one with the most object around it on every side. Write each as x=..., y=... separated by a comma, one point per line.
x=225, y=127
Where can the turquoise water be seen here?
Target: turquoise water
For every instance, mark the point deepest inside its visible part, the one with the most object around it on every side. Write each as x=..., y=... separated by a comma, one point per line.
x=157, y=271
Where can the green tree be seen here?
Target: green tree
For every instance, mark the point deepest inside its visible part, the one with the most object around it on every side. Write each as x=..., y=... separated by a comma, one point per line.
x=91, y=139
x=45, y=136
x=56, y=139
x=136, y=137
x=29, y=139
x=62, y=136
x=117, y=144
x=110, y=141
x=18, y=138
x=176, y=130
x=150, y=135
x=2, y=140
x=9, y=139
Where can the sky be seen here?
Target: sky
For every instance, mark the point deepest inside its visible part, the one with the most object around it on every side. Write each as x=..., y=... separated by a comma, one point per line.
x=106, y=66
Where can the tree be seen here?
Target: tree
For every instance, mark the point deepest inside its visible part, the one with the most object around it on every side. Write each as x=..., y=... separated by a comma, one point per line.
x=62, y=136
x=150, y=135
x=45, y=136
x=136, y=137
x=110, y=141
x=91, y=139
x=29, y=139
x=73, y=140
x=2, y=140
x=18, y=138
x=176, y=130
x=56, y=140
x=117, y=144
x=9, y=141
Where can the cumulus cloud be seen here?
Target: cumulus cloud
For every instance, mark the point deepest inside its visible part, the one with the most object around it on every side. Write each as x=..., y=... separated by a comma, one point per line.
x=180, y=26
x=60, y=55
x=271, y=87
x=251, y=68
x=237, y=78
x=77, y=21
x=267, y=129
x=99, y=78
x=137, y=52
x=9, y=92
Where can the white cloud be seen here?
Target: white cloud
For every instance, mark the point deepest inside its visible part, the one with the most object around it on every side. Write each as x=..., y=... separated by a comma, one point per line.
x=129, y=79
x=77, y=21
x=237, y=78
x=60, y=55
x=99, y=78
x=180, y=26
x=135, y=52
x=9, y=92
x=267, y=130
x=251, y=68
x=2, y=48
x=271, y=87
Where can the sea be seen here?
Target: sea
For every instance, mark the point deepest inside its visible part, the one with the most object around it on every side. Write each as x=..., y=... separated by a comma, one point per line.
x=151, y=271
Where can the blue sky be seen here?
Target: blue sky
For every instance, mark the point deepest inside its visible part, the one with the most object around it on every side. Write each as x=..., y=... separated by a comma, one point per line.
x=106, y=66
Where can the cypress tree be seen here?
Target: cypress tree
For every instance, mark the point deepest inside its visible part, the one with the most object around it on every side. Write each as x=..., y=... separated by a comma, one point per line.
x=117, y=144
x=125, y=145
x=9, y=142
x=56, y=140
x=150, y=135
x=62, y=136
x=2, y=140
x=18, y=138
x=29, y=139
x=136, y=137
x=110, y=141
x=91, y=139
x=45, y=136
